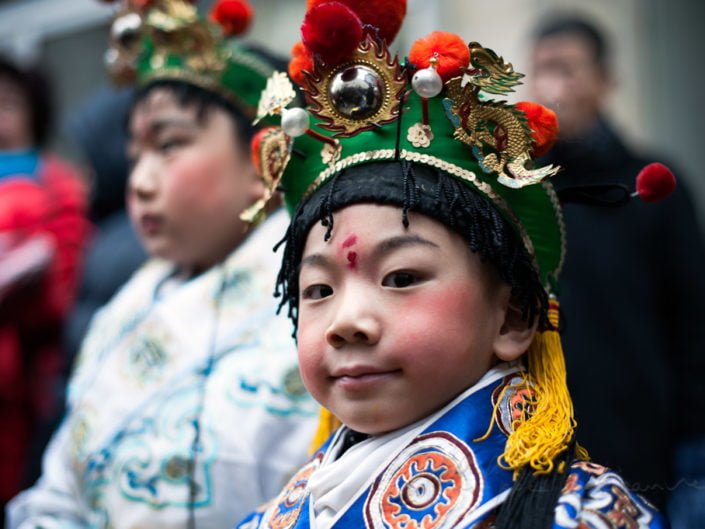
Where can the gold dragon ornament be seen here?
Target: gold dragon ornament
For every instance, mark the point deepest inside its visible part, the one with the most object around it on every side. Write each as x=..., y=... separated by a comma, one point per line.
x=498, y=133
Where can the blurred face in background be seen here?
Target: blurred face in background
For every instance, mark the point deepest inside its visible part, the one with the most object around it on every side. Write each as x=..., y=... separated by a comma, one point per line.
x=15, y=127
x=566, y=78
x=191, y=179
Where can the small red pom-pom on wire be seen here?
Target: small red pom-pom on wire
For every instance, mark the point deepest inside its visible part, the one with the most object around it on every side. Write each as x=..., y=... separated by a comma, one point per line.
x=234, y=16
x=654, y=182
x=255, y=150
x=380, y=18
x=543, y=124
x=332, y=31
x=450, y=52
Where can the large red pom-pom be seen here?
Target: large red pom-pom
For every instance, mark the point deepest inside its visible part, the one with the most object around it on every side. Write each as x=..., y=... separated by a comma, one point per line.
x=543, y=124
x=450, y=50
x=234, y=16
x=381, y=18
x=654, y=182
x=332, y=31
x=301, y=60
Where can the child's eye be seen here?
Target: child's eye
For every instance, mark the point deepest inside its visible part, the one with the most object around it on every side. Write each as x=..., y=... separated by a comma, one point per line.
x=400, y=279
x=317, y=292
x=170, y=145
x=167, y=146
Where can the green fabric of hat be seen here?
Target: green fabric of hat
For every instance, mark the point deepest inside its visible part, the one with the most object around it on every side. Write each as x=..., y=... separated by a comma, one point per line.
x=533, y=210
x=444, y=134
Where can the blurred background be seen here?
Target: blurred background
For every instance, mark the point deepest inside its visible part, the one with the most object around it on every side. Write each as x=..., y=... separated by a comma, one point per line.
x=659, y=53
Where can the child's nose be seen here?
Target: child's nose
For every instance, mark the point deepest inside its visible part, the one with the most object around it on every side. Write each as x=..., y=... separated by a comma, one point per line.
x=355, y=322
x=143, y=178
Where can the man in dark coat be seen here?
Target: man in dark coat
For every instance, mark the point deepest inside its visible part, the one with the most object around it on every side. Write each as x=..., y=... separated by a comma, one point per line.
x=633, y=282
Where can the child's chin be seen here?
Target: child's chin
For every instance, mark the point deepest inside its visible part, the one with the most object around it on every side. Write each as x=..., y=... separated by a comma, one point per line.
x=379, y=427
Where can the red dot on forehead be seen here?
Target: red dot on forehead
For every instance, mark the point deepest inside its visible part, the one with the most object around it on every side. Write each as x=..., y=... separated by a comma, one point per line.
x=349, y=241
x=352, y=260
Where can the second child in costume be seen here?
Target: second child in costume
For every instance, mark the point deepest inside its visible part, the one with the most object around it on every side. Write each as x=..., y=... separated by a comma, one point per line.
x=420, y=267
x=186, y=408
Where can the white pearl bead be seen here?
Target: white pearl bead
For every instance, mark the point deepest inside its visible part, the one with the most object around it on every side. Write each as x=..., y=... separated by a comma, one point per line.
x=427, y=83
x=295, y=121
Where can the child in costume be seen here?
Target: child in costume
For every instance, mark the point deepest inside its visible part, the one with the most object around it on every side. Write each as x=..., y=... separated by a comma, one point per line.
x=186, y=408
x=420, y=268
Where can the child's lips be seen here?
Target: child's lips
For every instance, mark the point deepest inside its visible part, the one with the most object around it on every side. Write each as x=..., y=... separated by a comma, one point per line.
x=150, y=223
x=360, y=377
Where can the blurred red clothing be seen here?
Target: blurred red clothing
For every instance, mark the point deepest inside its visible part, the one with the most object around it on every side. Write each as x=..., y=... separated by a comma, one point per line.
x=43, y=230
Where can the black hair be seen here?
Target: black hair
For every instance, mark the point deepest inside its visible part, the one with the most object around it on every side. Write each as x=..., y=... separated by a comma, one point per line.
x=203, y=100
x=37, y=91
x=575, y=25
x=431, y=192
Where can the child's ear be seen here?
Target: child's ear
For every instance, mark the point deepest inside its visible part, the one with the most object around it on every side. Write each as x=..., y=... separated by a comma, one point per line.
x=514, y=336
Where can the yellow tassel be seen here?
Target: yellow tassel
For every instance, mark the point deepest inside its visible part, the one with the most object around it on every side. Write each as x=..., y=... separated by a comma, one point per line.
x=327, y=424
x=548, y=430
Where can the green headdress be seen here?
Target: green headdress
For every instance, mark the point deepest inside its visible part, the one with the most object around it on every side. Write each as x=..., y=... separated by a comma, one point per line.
x=169, y=40
x=432, y=110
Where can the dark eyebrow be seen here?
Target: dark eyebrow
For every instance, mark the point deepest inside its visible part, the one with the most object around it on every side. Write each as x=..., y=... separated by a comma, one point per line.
x=383, y=248
x=315, y=259
x=160, y=124
x=394, y=243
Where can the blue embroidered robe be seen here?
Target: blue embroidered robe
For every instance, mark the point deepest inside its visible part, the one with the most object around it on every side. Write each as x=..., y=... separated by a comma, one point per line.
x=446, y=477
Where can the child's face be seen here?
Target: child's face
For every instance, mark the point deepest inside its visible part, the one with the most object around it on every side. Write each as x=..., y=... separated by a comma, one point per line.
x=394, y=322
x=189, y=183
x=15, y=116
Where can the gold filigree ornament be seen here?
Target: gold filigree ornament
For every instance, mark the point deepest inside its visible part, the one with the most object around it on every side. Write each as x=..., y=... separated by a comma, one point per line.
x=358, y=94
x=330, y=153
x=489, y=72
x=278, y=93
x=172, y=16
x=176, y=30
x=274, y=154
x=497, y=132
x=420, y=135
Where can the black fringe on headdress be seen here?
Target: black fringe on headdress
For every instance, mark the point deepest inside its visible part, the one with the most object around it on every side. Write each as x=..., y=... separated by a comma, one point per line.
x=421, y=189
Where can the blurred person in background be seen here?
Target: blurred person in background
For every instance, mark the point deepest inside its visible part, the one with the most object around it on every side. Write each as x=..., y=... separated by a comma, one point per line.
x=632, y=284
x=43, y=229
x=185, y=407
x=114, y=251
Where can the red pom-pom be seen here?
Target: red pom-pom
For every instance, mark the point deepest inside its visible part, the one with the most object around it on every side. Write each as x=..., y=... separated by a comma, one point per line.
x=654, y=182
x=140, y=5
x=301, y=60
x=380, y=18
x=234, y=16
x=332, y=31
x=543, y=124
x=450, y=50
x=255, y=150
